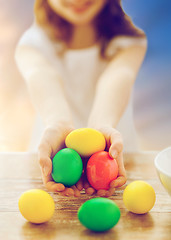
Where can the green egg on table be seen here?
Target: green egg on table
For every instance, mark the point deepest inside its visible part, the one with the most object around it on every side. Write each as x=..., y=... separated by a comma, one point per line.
x=67, y=167
x=99, y=214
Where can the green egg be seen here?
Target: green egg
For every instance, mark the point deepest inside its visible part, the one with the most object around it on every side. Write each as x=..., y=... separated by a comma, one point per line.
x=99, y=214
x=67, y=167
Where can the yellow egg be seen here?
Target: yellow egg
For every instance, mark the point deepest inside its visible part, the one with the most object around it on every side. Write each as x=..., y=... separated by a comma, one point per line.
x=36, y=205
x=86, y=141
x=139, y=197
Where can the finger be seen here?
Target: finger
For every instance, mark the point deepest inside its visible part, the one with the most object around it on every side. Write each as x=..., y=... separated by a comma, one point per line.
x=110, y=192
x=55, y=187
x=69, y=192
x=79, y=184
x=51, y=185
x=101, y=192
x=86, y=185
x=76, y=191
x=90, y=191
x=121, y=179
x=116, y=144
x=46, y=166
x=44, y=153
x=118, y=182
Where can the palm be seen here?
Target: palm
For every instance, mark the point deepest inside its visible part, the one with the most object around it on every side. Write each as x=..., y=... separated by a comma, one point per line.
x=114, y=147
x=53, y=140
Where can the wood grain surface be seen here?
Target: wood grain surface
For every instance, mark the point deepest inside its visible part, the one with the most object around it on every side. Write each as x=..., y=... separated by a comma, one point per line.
x=20, y=172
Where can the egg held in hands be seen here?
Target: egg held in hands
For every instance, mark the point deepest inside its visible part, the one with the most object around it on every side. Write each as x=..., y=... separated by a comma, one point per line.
x=101, y=170
x=67, y=167
x=86, y=141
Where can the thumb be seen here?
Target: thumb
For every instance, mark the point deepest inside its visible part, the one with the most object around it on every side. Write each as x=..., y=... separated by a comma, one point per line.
x=45, y=160
x=116, y=144
x=47, y=166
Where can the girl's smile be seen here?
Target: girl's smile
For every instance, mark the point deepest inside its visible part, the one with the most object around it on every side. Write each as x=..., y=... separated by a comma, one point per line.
x=78, y=4
x=77, y=12
x=77, y=8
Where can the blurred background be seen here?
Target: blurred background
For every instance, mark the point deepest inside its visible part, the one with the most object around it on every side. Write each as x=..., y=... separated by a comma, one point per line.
x=152, y=94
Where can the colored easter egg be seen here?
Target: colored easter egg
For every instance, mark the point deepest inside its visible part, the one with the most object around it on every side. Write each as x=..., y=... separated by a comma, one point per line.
x=139, y=197
x=101, y=170
x=67, y=167
x=86, y=141
x=99, y=214
x=36, y=205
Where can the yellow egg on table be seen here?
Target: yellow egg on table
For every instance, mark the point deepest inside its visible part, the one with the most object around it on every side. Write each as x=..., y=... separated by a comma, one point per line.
x=86, y=141
x=36, y=205
x=139, y=197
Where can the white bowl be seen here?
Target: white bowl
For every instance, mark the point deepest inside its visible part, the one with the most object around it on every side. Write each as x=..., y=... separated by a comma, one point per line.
x=163, y=166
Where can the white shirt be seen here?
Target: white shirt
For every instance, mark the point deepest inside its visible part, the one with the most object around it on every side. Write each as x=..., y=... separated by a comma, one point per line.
x=80, y=70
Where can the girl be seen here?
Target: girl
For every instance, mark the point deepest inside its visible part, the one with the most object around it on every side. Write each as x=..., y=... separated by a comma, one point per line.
x=80, y=59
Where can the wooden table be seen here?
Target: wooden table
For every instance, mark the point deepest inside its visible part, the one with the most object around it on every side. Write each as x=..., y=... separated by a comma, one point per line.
x=20, y=172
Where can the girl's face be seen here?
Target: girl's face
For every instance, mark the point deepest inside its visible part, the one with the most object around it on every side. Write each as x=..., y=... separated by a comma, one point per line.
x=77, y=12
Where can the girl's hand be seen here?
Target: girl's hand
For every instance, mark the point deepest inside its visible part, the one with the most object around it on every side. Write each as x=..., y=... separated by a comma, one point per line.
x=114, y=145
x=52, y=141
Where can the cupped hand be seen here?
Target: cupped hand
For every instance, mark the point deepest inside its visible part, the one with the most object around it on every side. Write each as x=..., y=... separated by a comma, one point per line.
x=114, y=145
x=52, y=141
